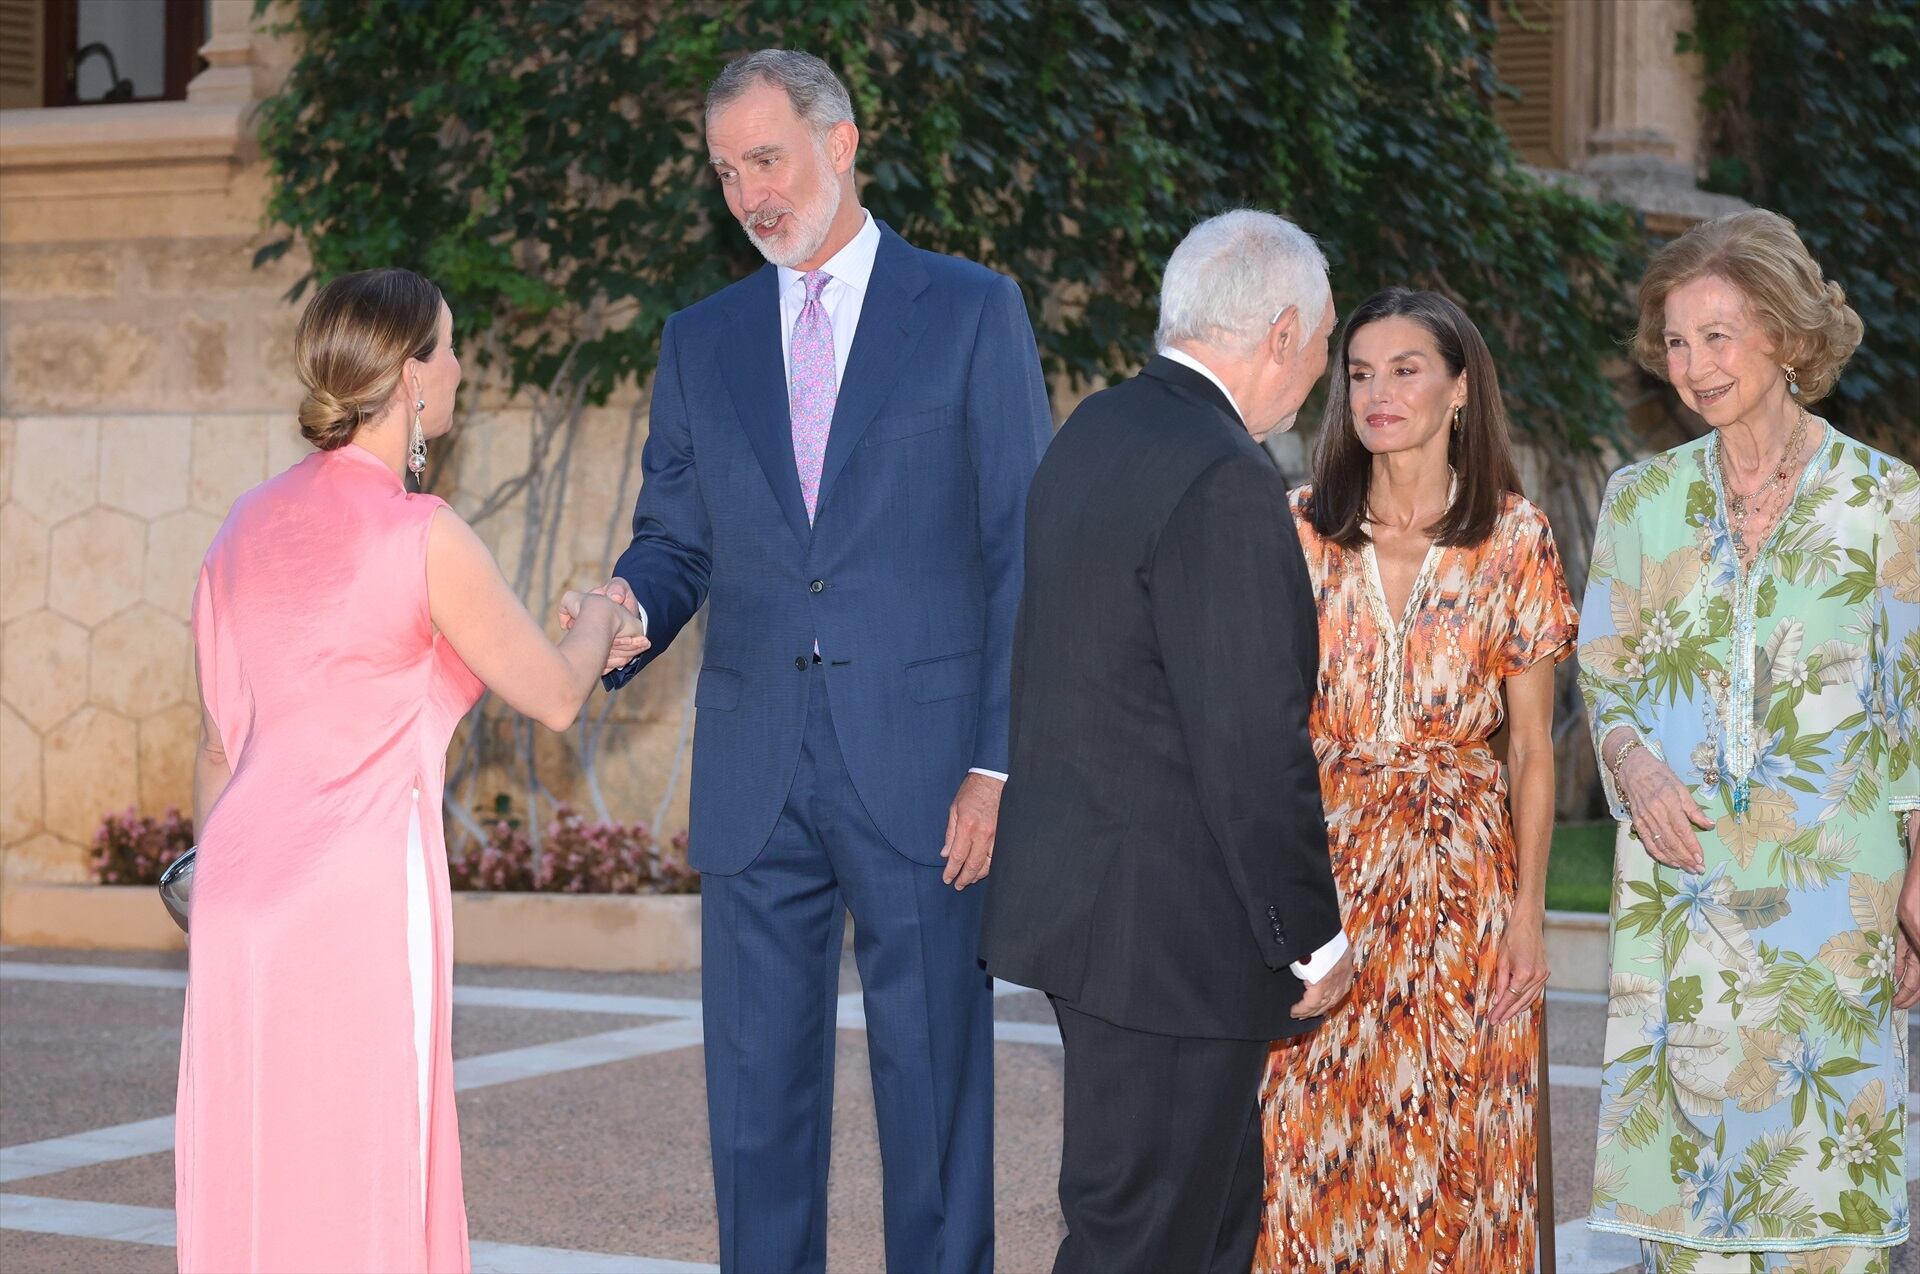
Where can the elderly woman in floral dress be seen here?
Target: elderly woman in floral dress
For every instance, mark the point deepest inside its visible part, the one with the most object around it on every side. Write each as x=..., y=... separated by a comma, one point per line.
x=1750, y=656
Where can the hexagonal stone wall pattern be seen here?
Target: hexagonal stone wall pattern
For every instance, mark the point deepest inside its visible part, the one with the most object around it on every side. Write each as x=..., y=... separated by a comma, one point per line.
x=136, y=661
x=97, y=562
x=44, y=674
x=55, y=465
x=90, y=762
x=145, y=463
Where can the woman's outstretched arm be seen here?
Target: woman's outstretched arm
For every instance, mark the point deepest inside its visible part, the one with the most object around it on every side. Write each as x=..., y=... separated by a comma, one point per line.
x=477, y=611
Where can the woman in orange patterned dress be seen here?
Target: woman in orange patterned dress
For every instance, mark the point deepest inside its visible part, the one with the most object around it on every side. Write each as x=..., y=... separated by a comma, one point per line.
x=1399, y=1135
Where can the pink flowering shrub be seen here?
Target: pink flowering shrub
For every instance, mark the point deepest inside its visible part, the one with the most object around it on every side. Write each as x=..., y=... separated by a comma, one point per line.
x=575, y=857
x=578, y=857
x=132, y=849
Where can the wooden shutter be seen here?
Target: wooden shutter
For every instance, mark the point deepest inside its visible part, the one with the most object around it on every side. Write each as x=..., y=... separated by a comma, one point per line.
x=1524, y=56
x=22, y=53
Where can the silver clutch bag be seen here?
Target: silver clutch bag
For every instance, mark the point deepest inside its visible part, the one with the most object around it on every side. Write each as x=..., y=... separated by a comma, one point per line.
x=176, y=886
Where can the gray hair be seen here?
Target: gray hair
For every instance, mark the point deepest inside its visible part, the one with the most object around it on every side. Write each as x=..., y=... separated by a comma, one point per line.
x=1234, y=274
x=817, y=94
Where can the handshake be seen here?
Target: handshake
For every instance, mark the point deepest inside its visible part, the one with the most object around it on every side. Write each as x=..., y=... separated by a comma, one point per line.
x=630, y=631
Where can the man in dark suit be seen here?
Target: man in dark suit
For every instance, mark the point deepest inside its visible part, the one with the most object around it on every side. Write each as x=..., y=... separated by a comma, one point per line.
x=838, y=461
x=1162, y=865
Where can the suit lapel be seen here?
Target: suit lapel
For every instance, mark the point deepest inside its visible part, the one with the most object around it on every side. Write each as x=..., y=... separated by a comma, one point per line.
x=756, y=375
x=890, y=325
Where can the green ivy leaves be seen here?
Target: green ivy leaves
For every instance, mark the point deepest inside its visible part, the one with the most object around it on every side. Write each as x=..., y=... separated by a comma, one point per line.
x=542, y=161
x=1812, y=115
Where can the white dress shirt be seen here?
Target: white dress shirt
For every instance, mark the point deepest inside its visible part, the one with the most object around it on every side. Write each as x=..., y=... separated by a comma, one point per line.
x=1326, y=957
x=848, y=272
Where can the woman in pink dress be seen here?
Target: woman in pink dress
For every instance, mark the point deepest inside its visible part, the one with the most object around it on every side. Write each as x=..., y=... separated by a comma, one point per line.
x=342, y=627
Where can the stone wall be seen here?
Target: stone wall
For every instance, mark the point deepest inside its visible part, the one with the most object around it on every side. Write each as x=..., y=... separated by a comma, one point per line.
x=145, y=382
x=105, y=521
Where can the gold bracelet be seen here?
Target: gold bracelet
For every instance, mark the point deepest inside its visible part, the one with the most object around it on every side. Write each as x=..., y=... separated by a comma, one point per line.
x=1619, y=758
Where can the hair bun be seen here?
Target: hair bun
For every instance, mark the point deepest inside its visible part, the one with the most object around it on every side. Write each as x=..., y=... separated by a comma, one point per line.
x=325, y=421
x=351, y=343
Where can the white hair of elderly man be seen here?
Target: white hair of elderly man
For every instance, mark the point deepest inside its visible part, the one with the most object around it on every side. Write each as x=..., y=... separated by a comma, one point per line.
x=1234, y=275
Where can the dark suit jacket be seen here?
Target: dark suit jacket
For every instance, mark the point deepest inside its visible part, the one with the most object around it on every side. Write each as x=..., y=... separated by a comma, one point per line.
x=908, y=577
x=1162, y=853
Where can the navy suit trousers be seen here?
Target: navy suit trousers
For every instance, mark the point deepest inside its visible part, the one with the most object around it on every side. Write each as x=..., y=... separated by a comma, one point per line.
x=771, y=944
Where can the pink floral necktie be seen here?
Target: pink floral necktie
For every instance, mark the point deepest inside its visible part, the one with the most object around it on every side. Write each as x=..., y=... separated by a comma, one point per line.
x=814, y=386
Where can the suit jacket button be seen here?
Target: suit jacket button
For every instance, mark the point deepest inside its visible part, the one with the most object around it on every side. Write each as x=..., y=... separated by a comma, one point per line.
x=818, y=586
x=800, y=662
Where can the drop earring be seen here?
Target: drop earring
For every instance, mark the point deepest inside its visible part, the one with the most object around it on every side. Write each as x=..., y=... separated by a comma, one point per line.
x=417, y=448
x=1793, y=382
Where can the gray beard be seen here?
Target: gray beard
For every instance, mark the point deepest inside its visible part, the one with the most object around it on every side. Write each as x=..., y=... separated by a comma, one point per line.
x=814, y=235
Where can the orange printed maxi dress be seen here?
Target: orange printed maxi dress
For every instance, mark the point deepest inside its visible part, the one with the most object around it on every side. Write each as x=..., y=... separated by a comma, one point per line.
x=1399, y=1133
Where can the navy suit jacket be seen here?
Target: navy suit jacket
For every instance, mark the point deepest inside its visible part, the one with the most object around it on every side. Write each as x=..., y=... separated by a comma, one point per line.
x=909, y=577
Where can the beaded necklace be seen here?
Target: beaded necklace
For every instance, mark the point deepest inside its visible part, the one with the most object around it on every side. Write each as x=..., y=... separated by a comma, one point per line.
x=1740, y=507
x=1737, y=747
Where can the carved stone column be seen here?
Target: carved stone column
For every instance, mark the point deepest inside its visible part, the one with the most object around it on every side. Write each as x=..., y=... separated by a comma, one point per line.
x=245, y=62
x=1646, y=94
x=1643, y=140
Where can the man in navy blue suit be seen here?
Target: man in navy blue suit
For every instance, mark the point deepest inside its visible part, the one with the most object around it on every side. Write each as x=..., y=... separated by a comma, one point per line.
x=838, y=462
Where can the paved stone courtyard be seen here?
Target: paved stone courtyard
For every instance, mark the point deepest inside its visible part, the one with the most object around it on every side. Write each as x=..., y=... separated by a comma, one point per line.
x=582, y=1121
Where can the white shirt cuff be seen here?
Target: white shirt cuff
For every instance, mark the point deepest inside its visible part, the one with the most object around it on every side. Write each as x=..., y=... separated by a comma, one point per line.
x=992, y=774
x=1323, y=959
x=643, y=618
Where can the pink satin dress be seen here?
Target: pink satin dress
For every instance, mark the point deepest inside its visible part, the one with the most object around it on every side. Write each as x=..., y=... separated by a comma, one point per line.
x=316, y=1126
